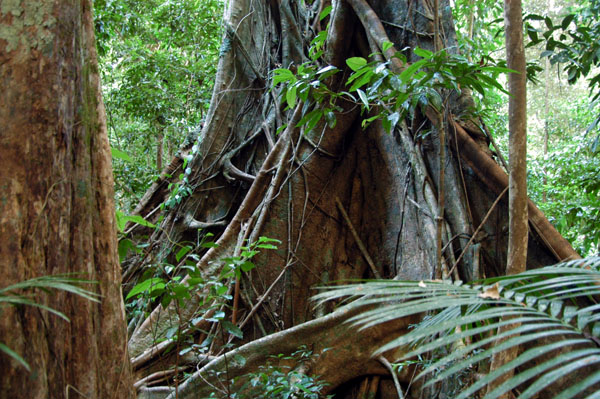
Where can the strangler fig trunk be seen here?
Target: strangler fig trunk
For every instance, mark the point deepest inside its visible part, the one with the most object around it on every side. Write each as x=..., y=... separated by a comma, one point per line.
x=345, y=202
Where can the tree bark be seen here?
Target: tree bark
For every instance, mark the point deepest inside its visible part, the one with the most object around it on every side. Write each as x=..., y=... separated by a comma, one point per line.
x=517, y=182
x=517, y=127
x=57, y=206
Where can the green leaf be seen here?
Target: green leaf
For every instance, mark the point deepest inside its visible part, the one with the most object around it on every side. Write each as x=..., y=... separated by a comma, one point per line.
x=182, y=252
x=327, y=71
x=422, y=52
x=326, y=11
x=355, y=63
x=232, y=329
x=118, y=154
x=123, y=219
x=311, y=119
x=364, y=79
x=410, y=71
x=363, y=98
x=290, y=96
x=331, y=119
x=15, y=356
x=148, y=285
x=247, y=266
x=567, y=20
x=386, y=46
x=125, y=245
x=282, y=75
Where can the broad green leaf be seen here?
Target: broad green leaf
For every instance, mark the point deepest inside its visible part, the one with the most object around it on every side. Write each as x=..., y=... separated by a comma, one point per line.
x=282, y=75
x=363, y=80
x=125, y=245
x=182, y=252
x=422, y=52
x=146, y=285
x=118, y=154
x=232, y=329
x=326, y=11
x=387, y=45
x=363, y=98
x=122, y=220
x=411, y=69
x=290, y=96
x=355, y=63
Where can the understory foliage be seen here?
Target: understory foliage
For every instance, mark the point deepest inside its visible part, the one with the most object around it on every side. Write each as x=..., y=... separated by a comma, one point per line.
x=275, y=380
x=570, y=178
x=545, y=310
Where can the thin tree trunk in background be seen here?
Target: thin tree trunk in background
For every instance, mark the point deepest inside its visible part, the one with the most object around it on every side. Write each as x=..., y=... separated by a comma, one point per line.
x=546, y=125
x=159, y=151
x=57, y=206
x=517, y=113
x=517, y=192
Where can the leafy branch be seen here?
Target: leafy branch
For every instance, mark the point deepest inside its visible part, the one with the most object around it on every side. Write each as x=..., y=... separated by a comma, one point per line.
x=391, y=96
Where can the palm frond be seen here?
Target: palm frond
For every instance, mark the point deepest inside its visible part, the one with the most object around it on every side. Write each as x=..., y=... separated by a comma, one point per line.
x=23, y=294
x=61, y=282
x=558, y=302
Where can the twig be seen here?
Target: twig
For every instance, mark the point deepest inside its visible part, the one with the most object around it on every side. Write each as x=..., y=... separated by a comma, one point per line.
x=389, y=366
x=487, y=215
x=359, y=242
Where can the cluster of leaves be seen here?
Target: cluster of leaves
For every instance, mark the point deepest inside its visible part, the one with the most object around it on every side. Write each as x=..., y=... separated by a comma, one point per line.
x=419, y=85
x=542, y=310
x=283, y=382
x=158, y=60
x=479, y=27
x=572, y=190
x=392, y=96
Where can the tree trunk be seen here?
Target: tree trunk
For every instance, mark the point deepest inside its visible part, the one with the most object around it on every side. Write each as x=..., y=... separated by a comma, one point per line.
x=517, y=192
x=57, y=207
x=517, y=120
x=344, y=201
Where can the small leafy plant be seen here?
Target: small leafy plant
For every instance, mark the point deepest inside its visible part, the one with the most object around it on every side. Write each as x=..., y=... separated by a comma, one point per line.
x=273, y=381
x=167, y=285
